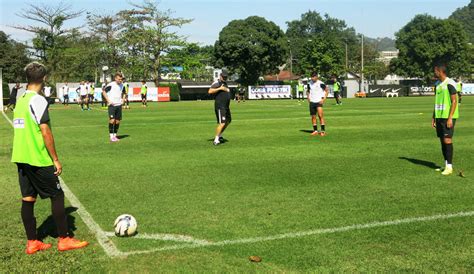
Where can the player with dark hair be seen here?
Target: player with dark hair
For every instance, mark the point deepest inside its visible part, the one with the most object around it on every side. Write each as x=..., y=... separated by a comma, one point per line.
x=90, y=95
x=38, y=164
x=317, y=94
x=143, y=93
x=113, y=95
x=126, y=102
x=83, y=93
x=65, y=92
x=221, y=106
x=459, y=85
x=13, y=95
x=337, y=87
x=445, y=113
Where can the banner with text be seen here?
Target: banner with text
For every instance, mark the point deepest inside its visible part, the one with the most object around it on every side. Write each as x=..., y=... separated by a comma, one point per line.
x=270, y=92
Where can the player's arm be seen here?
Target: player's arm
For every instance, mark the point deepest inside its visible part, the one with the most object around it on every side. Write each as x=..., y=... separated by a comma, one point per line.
x=326, y=91
x=215, y=88
x=50, y=146
x=454, y=104
x=104, y=94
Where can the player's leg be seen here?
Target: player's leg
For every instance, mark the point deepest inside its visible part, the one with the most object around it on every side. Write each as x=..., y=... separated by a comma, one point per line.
x=314, y=121
x=228, y=120
x=459, y=98
x=220, y=116
x=87, y=102
x=321, y=120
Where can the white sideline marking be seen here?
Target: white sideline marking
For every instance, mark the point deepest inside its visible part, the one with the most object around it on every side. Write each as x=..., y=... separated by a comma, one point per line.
x=165, y=237
x=309, y=232
x=108, y=246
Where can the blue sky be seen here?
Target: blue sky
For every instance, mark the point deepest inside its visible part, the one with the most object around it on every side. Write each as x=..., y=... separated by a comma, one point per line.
x=374, y=18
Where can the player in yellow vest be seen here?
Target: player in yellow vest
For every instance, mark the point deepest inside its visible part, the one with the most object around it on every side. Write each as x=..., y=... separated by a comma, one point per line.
x=143, y=92
x=445, y=113
x=337, y=88
x=38, y=164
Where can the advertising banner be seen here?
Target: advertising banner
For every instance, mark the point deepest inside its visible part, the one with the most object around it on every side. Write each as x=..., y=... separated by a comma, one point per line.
x=270, y=92
x=468, y=89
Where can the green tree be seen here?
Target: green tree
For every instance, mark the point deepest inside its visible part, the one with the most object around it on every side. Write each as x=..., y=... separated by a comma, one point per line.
x=465, y=16
x=157, y=32
x=195, y=60
x=251, y=48
x=13, y=58
x=427, y=40
x=50, y=36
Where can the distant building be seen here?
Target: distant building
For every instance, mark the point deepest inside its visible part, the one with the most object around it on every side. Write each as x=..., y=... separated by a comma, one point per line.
x=387, y=55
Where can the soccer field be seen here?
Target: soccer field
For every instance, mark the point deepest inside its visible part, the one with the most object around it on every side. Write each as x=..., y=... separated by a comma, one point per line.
x=363, y=198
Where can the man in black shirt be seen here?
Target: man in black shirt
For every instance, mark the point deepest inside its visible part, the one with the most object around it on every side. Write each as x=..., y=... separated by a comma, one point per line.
x=222, y=106
x=12, y=101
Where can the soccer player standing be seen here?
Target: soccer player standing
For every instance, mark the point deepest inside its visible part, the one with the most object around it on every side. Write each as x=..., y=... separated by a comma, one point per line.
x=317, y=94
x=13, y=95
x=38, y=164
x=126, y=102
x=65, y=92
x=337, y=90
x=221, y=106
x=459, y=90
x=112, y=94
x=83, y=92
x=300, y=90
x=143, y=92
x=445, y=113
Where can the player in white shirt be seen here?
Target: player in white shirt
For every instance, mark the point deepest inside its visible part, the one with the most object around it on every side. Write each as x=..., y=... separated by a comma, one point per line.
x=317, y=94
x=113, y=95
x=83, y=93
x=65, y=93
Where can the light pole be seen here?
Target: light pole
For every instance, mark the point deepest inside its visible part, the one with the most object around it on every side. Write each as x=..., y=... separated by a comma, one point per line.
x=362, y=64
x=291, y=59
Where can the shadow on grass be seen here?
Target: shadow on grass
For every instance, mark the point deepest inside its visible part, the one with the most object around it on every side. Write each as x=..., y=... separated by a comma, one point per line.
x=306, y=131
x=420, y=162
x=48, y=227
x=222, y=141
x=123, y=136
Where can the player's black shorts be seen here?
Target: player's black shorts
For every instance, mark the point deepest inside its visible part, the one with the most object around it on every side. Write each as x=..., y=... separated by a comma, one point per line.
x=115, y=112
x=91, y=96
x=313, y=108
x=337, y=94
x=83, y=97
x=12, y=101
x=143, y=96
x=223, y=115
x=442, y=129
x=38, y=180
x=300, y=94
x=66, y=97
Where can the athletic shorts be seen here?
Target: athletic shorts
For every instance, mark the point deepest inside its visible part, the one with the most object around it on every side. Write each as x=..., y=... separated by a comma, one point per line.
x=12, y=101
x=38, y=180
x=300, y=94
x=223, y=115
x=337, y=94
x=143, y=96
x=66, y=97
x=91, y=96
x=442, y=129
x=83, y=97
x=115, y=112
x=313, y=108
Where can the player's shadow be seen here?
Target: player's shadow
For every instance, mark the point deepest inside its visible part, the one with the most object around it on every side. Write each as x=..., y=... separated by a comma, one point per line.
x=48, y=227
x=306, y=130
x=420, y=162
x=123, y=136
x=222, y=141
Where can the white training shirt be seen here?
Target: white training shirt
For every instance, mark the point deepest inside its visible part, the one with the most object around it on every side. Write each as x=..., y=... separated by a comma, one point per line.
x=65, y=90
x=38, y=108
x=316, y=91
x=82, y=90
x=47, y=91
x=114, y=92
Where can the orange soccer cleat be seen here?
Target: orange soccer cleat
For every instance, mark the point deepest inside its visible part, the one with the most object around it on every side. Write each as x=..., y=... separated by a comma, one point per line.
x=33, y=246
x=69, y=243
x=315, y=133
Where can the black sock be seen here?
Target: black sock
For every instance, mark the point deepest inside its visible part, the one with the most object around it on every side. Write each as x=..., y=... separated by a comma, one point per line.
x=111, y=128
x=82, y=105
x=449, y=153
x=323, y=128
x=59, y=214
x=116, y=127
x=29, y=220
x=315, y=127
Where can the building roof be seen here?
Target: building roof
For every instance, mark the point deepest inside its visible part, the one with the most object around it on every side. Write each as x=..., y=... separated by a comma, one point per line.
x=282, y=76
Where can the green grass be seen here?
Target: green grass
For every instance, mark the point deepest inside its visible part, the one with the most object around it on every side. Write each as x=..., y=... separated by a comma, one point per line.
x=270, y=178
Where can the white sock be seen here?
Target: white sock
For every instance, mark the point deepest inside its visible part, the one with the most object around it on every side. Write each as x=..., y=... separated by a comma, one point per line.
x=216, y=140
x=115, y=135
x=111, y=135
x=449, y=166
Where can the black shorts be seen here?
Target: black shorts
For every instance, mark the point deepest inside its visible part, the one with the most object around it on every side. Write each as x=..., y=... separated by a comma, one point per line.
x=313, y=108
x=115, y=112
x=12, y=101
x=442, y=129
x=38, y=180
x=91, y=96
x=337, y=94
x=83, y=97
x=66, y=97
x=143, y=96
x=223, y=115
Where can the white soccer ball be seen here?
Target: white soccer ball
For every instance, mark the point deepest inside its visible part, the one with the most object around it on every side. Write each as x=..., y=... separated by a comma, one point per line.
x=125, y=225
